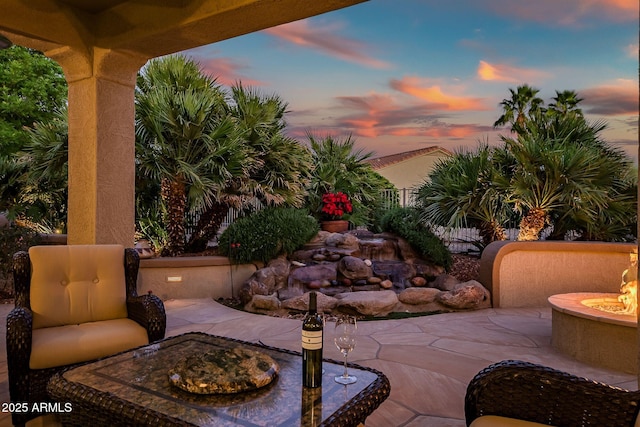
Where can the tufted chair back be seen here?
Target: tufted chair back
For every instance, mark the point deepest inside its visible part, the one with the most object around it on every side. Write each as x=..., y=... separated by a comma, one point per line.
x=77, y=284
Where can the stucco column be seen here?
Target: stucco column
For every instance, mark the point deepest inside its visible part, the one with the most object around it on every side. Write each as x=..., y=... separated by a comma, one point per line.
x=101, y=144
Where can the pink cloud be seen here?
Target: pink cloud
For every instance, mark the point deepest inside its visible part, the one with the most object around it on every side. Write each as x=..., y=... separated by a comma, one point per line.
x=227, y=71
x=508, y=73
x=434, y=95
x=617, y=98
x=567, y=12
x=632, y=50
x=326, y=40
x=378, y=115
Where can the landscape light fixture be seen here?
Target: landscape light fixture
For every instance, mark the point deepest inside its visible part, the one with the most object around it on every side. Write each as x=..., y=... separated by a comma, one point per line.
x=4, y=42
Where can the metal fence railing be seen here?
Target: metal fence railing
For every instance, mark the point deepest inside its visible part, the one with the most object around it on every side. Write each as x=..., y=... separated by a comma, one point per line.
x=233, y=214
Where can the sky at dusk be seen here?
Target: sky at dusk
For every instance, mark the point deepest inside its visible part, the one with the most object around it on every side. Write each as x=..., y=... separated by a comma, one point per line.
x=400, y=75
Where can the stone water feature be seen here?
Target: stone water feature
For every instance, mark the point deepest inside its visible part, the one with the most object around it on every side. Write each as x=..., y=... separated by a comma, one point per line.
x=361, y=273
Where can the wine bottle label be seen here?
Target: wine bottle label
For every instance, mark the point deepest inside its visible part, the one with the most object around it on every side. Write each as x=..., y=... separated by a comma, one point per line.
x=311, y=340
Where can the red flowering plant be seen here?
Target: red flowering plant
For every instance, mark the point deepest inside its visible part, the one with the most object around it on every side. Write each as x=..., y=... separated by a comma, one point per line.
x=335, y=205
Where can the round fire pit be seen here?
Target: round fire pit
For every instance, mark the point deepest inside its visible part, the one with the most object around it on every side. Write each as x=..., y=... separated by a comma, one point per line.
x=584, y=331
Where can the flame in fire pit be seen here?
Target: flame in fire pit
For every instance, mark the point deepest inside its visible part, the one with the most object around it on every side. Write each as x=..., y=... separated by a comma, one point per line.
x=629, y=287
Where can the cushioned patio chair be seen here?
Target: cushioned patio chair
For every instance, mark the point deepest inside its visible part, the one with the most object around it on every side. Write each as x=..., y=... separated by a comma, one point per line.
x=73, y=304
x=515, y=393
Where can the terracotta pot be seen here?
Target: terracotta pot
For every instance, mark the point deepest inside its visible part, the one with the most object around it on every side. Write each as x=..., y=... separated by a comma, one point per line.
x=336, y=226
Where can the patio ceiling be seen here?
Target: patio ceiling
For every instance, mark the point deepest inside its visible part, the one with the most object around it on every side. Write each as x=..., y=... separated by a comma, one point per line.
x=147, y=28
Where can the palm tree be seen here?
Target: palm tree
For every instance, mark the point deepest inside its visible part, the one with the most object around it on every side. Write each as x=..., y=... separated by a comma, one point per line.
x=561, y=174
x=338, y=166
x=185, y=140
x=519, y=107
x=618, y=176
x=276, y=167
x=565, y=102
x=463, y=191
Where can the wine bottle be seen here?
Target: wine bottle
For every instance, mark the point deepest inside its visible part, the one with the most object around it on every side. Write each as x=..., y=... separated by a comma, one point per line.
x=311, y=408
x=312, y=345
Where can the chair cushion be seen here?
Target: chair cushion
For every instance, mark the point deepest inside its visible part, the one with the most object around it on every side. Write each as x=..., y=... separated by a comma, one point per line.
x=72, y=284
x=65, y=345
x=495, y=421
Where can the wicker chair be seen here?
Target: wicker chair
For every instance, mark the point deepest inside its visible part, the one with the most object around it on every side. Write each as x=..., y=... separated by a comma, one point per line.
x=73, y=304
x=512, y=392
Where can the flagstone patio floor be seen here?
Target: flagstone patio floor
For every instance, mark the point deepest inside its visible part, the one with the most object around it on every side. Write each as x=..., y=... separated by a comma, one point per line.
x=429, y=360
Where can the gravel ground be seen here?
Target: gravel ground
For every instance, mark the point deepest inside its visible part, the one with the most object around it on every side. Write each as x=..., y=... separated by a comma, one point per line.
x=465, y=267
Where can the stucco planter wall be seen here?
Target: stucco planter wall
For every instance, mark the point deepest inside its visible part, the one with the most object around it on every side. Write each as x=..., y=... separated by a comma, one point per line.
x=526, y=274
x=192, y=277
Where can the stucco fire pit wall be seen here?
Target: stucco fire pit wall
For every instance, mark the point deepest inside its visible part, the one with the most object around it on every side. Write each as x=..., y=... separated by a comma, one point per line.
x=526, y=274
x=594, y=336
x=192, y=277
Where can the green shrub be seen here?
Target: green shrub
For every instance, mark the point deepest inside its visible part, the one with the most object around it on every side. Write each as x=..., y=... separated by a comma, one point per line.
x=405, y=222
x=264, y=235
x=12, y=240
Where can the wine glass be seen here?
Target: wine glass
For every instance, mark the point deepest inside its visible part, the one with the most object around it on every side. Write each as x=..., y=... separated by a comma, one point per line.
x=345, y=339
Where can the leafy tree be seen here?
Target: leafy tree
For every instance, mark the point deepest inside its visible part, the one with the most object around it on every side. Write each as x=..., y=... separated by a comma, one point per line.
x=185, y=140
x=32, y=86
x=523, y=103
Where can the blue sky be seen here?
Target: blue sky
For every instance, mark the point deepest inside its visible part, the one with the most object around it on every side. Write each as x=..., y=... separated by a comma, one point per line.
x=401, y=75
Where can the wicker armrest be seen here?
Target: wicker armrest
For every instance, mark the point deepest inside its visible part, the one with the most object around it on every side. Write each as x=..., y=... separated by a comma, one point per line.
x=525, y=391
x=148, y=311
x=19, y=333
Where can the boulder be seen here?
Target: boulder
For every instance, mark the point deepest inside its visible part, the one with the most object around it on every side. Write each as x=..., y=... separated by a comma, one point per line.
x=319, y=239
x=289, y=292
x=416, y=296
x=263, y=303
x=302, y=276
x=317, y=284
x=250, y=288
x=467, y=295
x=280, y=268
x=354, y=268
x=445, y=282
x=406, y=252
x=319, y=257
x=419, y=281
x=267, y=280
x=378, y=249
x=368, y=303
x=398, y=272
x=386, y=284
x=325, y=303
x=334, y=239
x=334, y=290
x=428, y=270
x=349, y=241
x=363, y=288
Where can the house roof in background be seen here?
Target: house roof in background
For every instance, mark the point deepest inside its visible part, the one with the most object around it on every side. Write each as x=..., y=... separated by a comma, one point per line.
x=381, y=162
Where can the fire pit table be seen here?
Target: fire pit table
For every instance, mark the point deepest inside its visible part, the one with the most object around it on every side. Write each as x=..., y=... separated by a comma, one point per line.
x=133, y=388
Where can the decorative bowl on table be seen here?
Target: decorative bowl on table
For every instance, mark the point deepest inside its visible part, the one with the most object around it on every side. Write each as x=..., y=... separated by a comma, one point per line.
x=224, y=371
